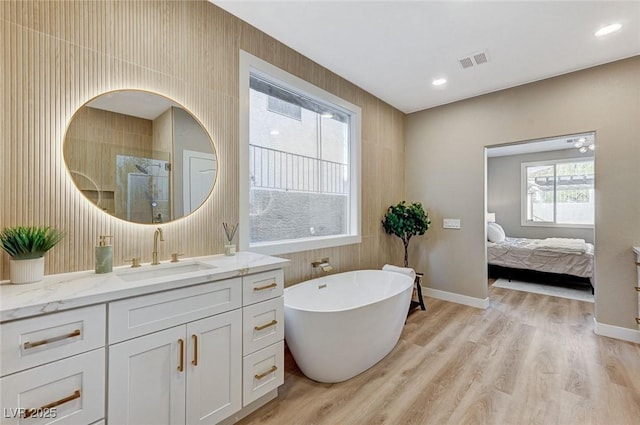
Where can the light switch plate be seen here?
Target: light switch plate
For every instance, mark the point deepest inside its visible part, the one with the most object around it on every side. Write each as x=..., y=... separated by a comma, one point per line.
x=451, y=223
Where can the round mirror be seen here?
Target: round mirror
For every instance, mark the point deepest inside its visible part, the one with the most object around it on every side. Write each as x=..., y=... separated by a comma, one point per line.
x=140, y=156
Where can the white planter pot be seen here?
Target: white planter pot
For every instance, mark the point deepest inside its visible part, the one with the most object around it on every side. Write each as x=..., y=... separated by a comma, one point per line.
x=26, y=271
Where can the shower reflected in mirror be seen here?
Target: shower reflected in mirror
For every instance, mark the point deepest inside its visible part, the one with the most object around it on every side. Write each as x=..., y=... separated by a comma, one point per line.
x=140, y=157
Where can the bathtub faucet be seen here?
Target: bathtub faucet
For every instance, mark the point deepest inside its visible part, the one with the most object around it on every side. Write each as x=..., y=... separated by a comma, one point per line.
x=323, y=264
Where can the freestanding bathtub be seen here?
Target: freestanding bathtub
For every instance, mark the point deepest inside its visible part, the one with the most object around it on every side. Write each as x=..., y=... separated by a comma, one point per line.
x=340, y=325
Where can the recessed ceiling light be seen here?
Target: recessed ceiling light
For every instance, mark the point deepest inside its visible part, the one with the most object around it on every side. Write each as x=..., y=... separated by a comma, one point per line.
x=607, y=30
x=274, y=132
x=439, y=81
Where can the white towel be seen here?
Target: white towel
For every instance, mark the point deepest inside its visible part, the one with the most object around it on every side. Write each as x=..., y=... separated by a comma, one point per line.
x=404, y=270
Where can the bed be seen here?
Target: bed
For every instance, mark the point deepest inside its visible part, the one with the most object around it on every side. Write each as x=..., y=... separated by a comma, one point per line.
x=557, y=256
x=529, y=254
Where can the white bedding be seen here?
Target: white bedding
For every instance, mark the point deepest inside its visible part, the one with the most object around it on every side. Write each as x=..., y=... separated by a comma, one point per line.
x=531, y=254
x=566, y=245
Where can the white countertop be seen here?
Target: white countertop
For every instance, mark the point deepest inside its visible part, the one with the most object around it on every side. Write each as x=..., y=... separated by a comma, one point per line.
x=70, y=290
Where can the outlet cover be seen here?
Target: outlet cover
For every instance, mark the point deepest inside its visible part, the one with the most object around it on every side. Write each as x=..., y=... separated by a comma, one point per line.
x=451, y=223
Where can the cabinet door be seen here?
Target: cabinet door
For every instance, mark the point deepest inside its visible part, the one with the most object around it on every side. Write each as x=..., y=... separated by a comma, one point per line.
x=146, y=385
x=215, y=368
x=67, y=391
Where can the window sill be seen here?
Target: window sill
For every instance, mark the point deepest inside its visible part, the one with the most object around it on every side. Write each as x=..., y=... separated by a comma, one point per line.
x=291, y=246
x=557, y=225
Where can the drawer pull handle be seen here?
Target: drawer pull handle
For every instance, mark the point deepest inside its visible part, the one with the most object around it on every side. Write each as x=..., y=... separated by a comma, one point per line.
x=28, y=344
x=638, y=288
x=638, y=320
x=264, y=288
x=181, y=365
x=195, y=350
x=29, y=412
x=262, y=375
x=265, y=326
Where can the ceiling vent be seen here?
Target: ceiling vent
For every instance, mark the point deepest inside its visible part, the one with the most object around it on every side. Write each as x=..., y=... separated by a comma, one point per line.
x=466, y=62
x=477, y=58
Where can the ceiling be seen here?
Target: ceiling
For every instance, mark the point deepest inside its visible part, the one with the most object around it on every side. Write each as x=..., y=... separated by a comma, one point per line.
x=545, y=145
x=394, y=49
x=136, y=103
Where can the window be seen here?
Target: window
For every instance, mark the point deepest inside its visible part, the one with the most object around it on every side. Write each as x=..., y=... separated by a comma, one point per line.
x=558, y=193
x=299, y=157
x=285, y=108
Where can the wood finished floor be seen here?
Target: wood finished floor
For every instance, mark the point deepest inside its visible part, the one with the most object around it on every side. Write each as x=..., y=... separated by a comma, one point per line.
x=527, y=359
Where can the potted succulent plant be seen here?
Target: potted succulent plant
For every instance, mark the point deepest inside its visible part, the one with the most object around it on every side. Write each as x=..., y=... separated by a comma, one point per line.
x=406, y=221
x=26, y=245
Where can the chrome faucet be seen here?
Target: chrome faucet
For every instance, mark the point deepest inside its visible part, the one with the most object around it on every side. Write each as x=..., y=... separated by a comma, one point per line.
x=157, y=233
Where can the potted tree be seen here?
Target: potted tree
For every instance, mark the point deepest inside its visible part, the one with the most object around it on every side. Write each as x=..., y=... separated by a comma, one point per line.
x=26, y=245
x=406, y=221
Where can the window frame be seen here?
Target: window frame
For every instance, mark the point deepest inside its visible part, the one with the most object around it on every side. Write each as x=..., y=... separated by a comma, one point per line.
x=523, y=195
x=250, y=64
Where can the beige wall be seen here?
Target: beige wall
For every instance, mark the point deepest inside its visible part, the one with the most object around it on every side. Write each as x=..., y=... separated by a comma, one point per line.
x=445, y=170
x=93, y=139
x=55, y=56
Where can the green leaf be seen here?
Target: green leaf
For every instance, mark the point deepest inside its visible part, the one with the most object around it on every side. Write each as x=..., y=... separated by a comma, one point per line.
x=406, y=221
x=26, y=242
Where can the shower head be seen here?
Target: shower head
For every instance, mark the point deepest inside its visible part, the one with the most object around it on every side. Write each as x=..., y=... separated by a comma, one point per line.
x=145, y=169
x=142, y=169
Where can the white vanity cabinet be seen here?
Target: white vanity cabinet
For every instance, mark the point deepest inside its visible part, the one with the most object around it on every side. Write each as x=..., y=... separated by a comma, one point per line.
x=184, y=374
x=263, y=334
x=53, y=368
x=205, y=347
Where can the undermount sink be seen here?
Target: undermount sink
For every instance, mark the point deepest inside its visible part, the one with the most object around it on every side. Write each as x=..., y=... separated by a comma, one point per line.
x=170, y=269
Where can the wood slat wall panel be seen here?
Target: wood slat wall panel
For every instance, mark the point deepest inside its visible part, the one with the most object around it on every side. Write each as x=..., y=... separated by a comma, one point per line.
x=58, y=55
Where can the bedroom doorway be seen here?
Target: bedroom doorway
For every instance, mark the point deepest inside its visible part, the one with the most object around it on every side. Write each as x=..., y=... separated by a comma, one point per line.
x=540, y=207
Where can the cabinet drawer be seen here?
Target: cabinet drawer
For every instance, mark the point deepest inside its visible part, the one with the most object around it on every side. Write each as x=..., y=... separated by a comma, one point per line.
x=263, y=371
x=263, y=324
x=68, y=391
x=32, y=342
x=262, y=286
x=149, y=313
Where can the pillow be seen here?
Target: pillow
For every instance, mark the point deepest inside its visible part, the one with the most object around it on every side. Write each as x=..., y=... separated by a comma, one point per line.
x=495, y=233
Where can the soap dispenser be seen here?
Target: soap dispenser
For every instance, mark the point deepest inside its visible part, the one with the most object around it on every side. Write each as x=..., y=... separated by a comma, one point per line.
x=104, y=255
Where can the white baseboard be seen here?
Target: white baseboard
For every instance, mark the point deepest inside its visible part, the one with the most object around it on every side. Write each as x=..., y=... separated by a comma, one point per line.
x=456, y=298
x=617, y=332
